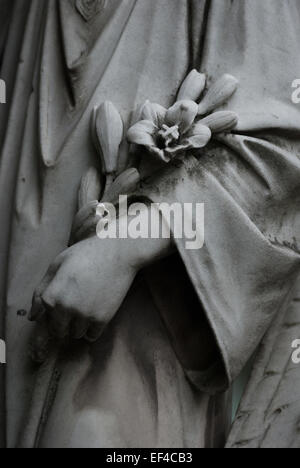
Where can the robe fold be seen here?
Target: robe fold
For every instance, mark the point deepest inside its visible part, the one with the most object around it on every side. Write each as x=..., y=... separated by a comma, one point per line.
x=137, y=386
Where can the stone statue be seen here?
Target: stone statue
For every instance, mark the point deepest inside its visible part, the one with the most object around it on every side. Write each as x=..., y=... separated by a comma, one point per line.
x=138, y=342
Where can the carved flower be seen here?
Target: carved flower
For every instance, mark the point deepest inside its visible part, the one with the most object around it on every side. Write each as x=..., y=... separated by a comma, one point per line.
x=187, y=125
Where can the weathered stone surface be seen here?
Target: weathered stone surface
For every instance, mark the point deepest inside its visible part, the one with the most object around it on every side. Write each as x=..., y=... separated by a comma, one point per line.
x=147, y=382
x=269, y=414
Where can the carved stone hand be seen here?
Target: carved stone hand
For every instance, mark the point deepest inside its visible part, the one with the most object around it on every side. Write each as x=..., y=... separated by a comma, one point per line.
x=86, y=285
x=84, y=288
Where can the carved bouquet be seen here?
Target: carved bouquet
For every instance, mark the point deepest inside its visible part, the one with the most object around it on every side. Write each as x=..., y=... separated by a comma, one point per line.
x=163, y=134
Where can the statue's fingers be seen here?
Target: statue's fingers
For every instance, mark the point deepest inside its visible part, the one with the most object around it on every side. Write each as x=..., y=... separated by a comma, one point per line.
x=40, y=342
x=94, y=332
x=83, y=215
x=37, y=308
x=79, y=328
x=88, y=228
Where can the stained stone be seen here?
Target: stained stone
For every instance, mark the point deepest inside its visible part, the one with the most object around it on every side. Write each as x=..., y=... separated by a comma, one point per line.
x=90, y=8
x=172, y=329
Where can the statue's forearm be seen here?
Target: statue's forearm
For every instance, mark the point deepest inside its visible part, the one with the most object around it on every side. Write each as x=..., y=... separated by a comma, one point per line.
x=142, y=252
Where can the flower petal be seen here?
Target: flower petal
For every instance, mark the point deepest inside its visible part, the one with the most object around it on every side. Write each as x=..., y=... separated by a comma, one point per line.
x=160, y=154
x=153, y=112
x=198, y=137
x=142, y=133
x=136, y=115
x=192, y=87
x=218, y=94
x=183, y=114
x=222, y=121
x=172, y=152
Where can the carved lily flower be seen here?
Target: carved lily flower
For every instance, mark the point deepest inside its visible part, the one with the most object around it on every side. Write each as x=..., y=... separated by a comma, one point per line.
x=167, y=133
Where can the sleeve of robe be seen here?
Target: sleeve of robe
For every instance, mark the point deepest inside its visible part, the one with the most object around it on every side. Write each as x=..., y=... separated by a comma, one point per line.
x=250, y=184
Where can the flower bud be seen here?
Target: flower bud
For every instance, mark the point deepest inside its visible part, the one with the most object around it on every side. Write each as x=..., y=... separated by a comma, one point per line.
x=192, y=87
x=125, y=184
x=219, y=122
x=218, y=94
x=90, y=188
x=108, y=132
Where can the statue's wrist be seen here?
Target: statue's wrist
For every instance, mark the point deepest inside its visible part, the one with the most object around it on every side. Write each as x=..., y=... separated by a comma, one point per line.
x=146, y=249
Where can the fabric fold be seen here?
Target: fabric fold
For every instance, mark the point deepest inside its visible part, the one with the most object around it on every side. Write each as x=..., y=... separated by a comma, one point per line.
x=250, y=261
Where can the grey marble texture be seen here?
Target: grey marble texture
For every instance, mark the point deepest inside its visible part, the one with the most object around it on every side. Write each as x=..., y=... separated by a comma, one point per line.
x=179, y=326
